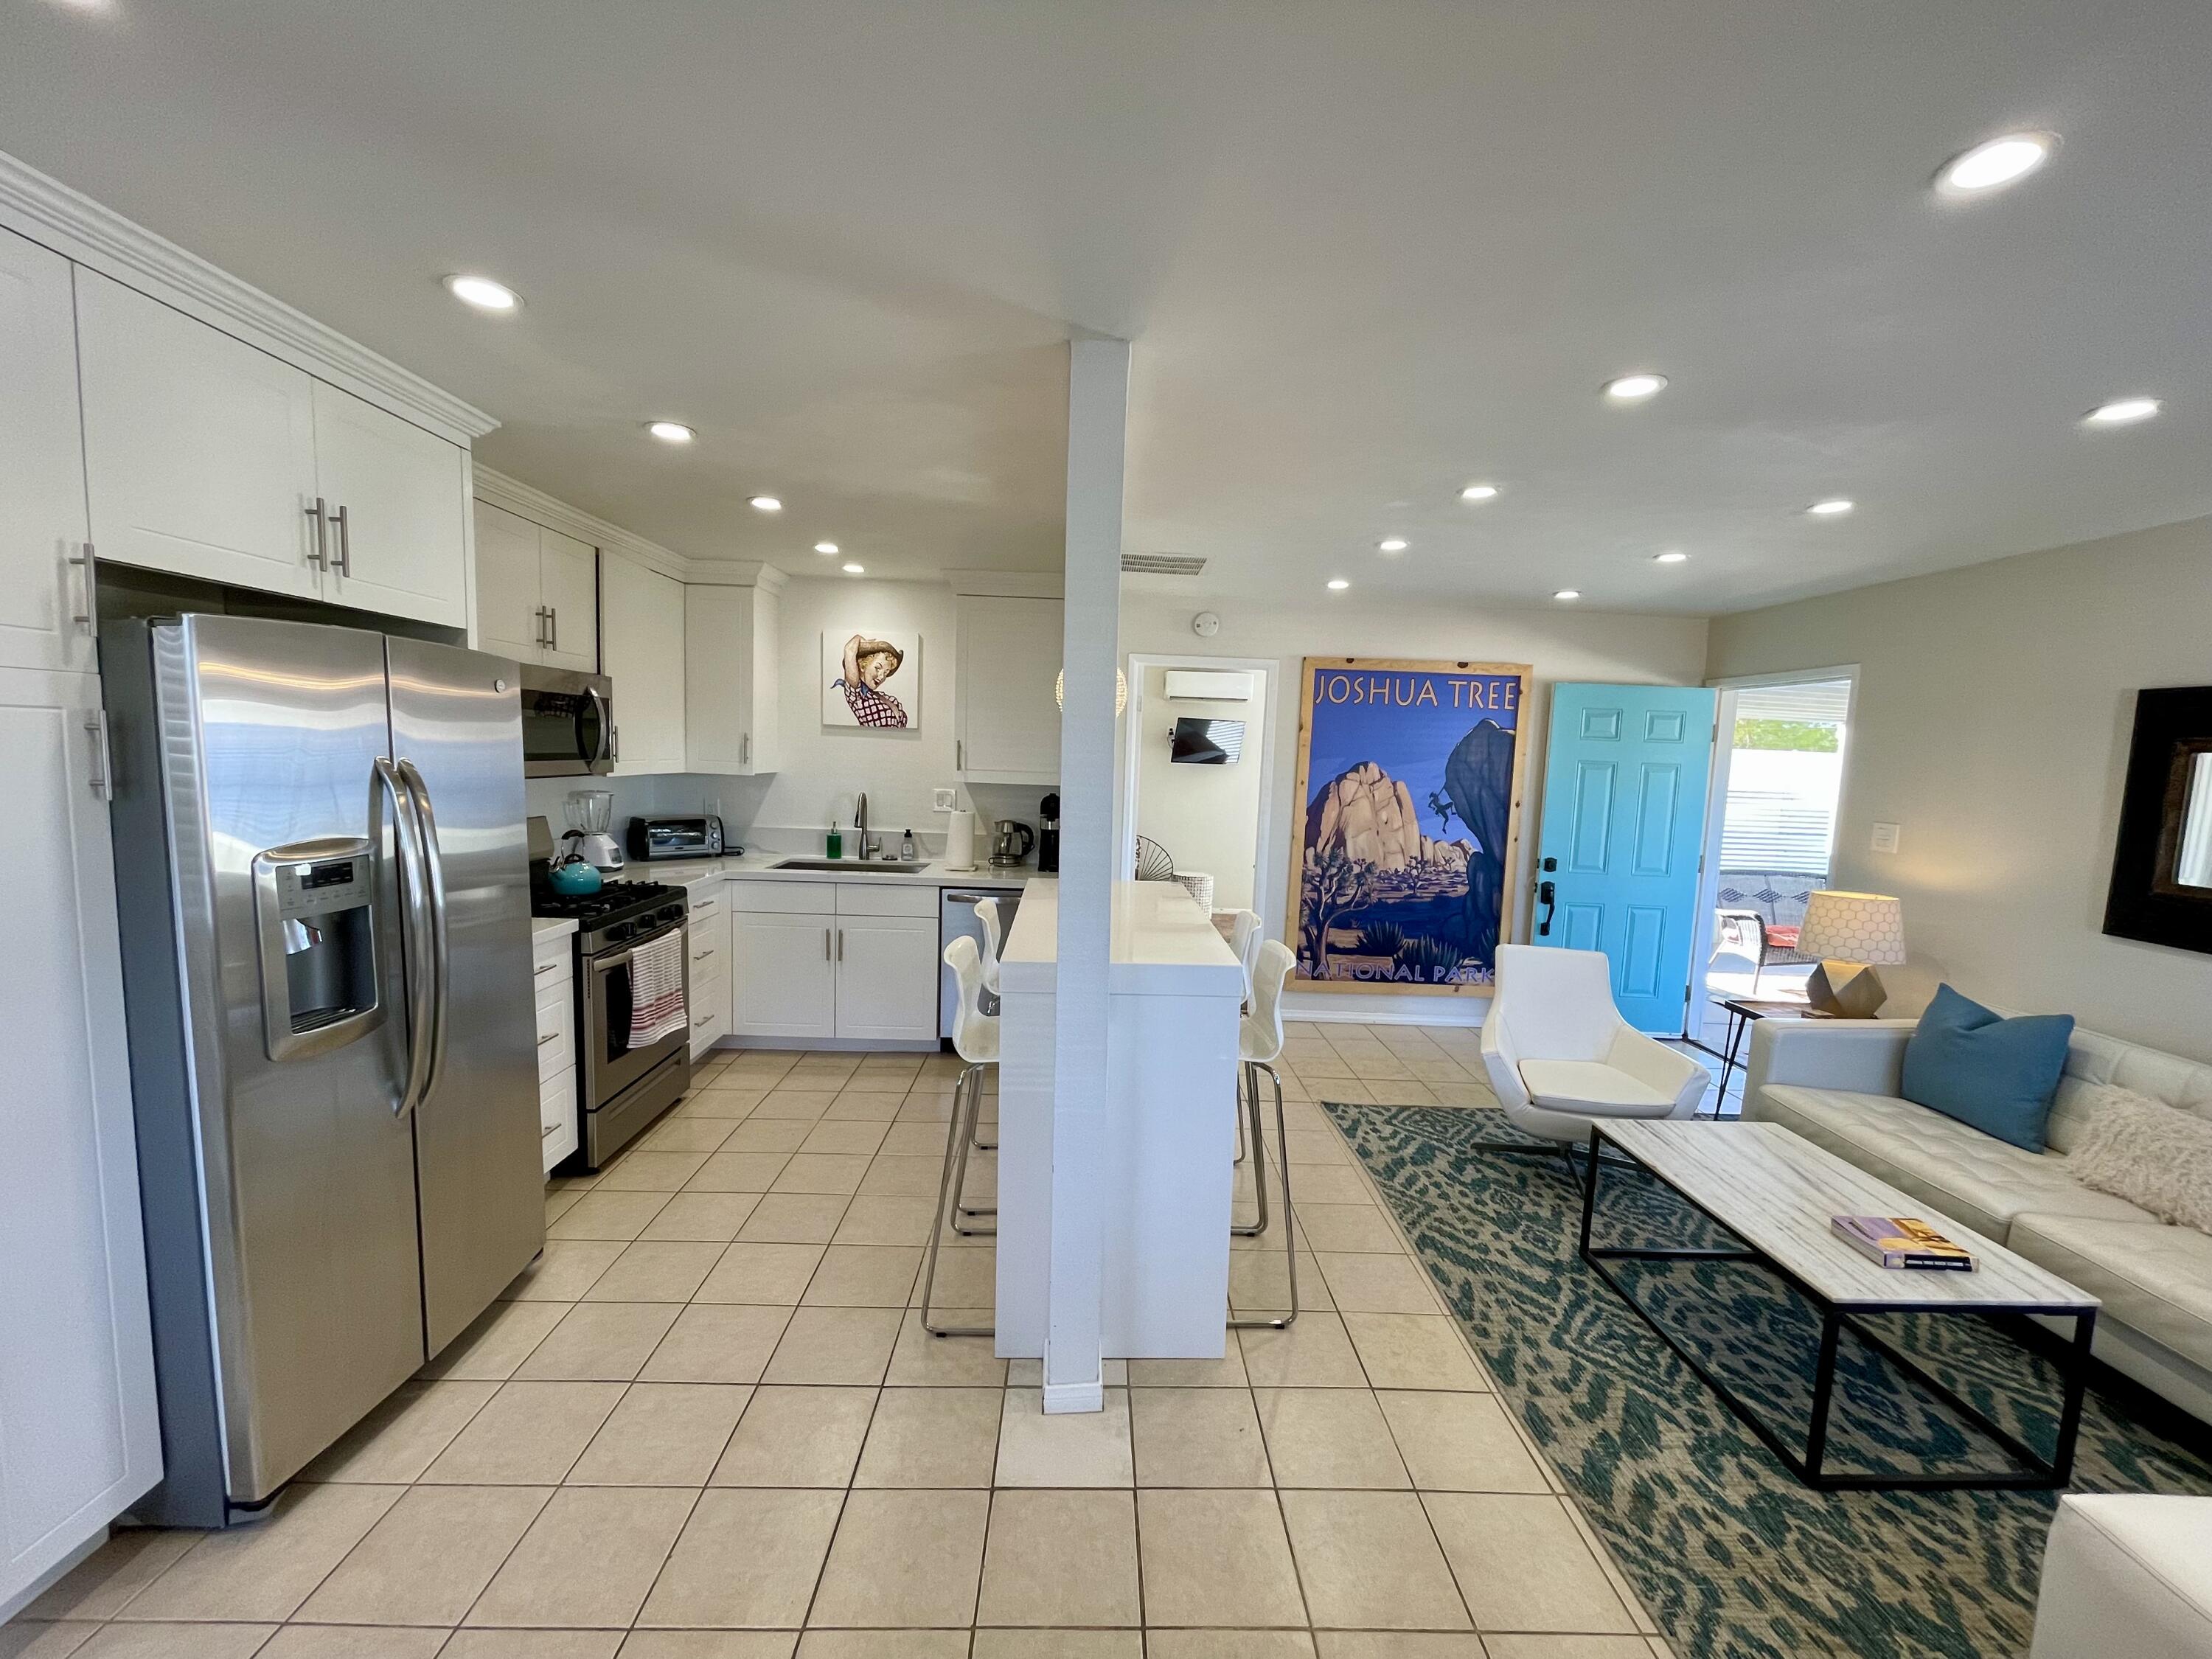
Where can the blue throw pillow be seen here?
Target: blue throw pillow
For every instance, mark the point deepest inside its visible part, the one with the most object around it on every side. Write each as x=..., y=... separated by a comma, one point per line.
x=1995, y=1074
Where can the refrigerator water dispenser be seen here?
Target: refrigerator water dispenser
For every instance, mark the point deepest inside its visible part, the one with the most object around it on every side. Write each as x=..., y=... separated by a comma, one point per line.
x=315, y=901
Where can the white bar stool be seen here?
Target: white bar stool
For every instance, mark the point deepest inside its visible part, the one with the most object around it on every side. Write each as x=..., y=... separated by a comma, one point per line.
x=1259, y=1044
x=975, y=1039
x=1244, y=940
x=986, y=913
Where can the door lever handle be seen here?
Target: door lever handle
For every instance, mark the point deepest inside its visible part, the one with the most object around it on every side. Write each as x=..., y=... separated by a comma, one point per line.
x=1548, y=895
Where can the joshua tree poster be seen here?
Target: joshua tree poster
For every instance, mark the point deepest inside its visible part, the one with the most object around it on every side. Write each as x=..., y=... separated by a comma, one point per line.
x=1409, y=780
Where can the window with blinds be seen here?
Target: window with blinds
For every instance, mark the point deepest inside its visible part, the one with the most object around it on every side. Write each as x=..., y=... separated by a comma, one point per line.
x=1784, y=776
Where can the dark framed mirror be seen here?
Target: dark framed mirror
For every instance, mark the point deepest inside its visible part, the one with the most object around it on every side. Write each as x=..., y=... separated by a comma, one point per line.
x=2162, y=866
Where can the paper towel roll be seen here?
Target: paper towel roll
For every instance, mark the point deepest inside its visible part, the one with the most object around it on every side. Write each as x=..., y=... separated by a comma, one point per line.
x=960, y=840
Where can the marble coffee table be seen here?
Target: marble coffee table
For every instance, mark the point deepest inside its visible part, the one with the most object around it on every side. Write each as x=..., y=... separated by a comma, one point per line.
x=1776, y=1192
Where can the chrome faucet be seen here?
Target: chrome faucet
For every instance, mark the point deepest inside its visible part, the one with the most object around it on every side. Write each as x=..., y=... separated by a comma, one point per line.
x=862, y=845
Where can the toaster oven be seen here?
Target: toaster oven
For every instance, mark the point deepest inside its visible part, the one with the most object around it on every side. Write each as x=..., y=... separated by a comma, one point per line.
x=699, y=837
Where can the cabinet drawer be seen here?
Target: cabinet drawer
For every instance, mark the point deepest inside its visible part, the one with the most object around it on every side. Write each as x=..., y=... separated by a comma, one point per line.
x=551, y=957
x=556, y=1116
x=884, y=898
x=557, y=1045
x=800, y=898
x=709, y=1025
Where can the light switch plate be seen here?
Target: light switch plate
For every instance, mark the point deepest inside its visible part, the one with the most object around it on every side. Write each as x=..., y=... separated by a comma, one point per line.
x=1885, y=838
x=940, y=800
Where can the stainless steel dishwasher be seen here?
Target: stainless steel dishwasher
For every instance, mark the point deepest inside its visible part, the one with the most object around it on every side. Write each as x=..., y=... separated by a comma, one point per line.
x=956, y=919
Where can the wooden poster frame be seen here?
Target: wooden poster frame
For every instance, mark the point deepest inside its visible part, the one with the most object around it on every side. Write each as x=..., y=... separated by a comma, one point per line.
x=1510, y=879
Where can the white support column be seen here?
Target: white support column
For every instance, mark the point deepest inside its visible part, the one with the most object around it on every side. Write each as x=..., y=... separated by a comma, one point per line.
x=1097, y=414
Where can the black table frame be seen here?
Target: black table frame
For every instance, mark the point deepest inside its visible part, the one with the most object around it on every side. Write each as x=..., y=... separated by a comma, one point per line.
x=1809, y=1466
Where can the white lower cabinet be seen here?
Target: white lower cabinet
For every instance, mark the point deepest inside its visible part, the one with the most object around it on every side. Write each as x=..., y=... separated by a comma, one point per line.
x=850, y=960
x=80, y=1432
x=707, y=929
x=554, y=980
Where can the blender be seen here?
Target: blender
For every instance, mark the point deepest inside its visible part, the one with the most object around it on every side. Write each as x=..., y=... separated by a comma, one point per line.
x=591, y=816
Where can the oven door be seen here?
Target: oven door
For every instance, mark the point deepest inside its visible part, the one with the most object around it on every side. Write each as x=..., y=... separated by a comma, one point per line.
x=610, y=1064
x=567, y=723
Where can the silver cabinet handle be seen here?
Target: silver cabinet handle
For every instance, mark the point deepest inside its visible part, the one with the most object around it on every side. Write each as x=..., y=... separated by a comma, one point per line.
x=841, y=944
x=88, y=619
x=700, y=956
x=548, y=1132
x=553, y=622
x=614, y=743
x=547, y=968
x=539, y=616
x=344, y=561
x=745, y=750
x=825, y=944
x=959, y=755
x=702, y=1020
x=103, y=771
x=551, y=1037
x=319, y=557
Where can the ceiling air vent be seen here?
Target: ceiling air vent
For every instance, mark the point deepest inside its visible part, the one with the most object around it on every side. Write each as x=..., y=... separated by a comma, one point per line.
x=1161, y=564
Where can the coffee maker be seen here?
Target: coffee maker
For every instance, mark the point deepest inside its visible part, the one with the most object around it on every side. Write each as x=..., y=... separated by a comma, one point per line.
x=1048, y=835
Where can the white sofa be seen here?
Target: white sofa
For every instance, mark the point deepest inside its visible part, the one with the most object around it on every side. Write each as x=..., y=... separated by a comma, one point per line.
x=2126, y=1577
x=1835, y=1083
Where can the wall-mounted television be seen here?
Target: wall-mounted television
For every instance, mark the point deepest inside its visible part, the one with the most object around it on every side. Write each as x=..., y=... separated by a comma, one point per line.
x=1206, y=743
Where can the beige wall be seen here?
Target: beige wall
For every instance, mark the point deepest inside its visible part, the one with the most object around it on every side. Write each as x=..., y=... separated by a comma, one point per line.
x=1994, y=709
x=1206, y=816
x=1559, y=644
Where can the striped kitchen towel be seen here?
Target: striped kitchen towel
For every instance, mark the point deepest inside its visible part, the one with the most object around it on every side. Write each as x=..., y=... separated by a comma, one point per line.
x=656, y=989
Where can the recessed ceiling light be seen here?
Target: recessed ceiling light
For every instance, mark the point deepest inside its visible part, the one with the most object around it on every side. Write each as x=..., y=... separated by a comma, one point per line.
x=1478, y=492
x=1337, y=584
x=2121, y=411
x=671, y=431
x=767, y=504
x=1999, y=161
x=856, y=570
x=1630, y=388
x=482, y=292
x=825, y=547
x=1568, y=594
x=1392, y=544
x=1831, y=509
x=1669, y=558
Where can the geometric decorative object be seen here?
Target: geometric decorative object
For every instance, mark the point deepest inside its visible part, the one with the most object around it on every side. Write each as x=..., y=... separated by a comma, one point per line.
x=1850, y=932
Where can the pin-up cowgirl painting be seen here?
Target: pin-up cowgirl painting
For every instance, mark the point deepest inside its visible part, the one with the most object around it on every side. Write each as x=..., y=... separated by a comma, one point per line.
x=867, y=675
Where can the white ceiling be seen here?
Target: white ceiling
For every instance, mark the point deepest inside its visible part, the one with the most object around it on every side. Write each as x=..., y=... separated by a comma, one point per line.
x=1369, y=251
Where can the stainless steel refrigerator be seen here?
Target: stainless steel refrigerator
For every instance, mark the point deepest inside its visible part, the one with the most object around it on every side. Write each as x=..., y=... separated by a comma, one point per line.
x=324, y=879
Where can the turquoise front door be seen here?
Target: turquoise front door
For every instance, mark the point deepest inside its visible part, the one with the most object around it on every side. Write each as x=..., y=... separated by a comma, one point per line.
x=1617, y=866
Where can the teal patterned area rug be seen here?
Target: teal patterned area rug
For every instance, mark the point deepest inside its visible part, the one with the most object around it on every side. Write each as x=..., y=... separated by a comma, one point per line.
x=1733, y=1556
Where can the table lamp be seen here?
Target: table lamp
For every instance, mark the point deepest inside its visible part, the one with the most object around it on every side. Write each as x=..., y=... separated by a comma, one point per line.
x=1851, y=933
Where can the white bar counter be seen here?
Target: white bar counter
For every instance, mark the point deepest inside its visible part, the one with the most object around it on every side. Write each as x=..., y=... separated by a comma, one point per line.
x=1174, y=989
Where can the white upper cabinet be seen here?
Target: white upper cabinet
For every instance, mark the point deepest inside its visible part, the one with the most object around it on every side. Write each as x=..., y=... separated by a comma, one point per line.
x=80, y=1432
x=396, y=538
x=199, y=450
x=642, y=637
x=1007, y=718
x=208, y=457
x=45, y=589
x=569, y=575
x=537, y=591
x=731, y=660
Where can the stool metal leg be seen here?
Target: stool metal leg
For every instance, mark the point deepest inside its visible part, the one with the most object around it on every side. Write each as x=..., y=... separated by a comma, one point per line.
x=1251, y=1071
x=1290, y=1230
x=961, y=1208
x=966, y=1102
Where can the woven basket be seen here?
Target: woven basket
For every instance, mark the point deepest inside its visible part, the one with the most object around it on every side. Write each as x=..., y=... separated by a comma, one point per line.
x=1200, y=886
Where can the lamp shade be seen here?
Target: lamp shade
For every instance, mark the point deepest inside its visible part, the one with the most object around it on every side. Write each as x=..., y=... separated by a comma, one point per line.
x=1867, y=928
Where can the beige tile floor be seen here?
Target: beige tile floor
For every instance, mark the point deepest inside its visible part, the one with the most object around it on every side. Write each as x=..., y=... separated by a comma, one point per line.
x=708, y=1425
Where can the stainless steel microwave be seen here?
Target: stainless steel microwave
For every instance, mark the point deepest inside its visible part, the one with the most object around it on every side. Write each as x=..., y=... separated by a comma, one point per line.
x=567, y=723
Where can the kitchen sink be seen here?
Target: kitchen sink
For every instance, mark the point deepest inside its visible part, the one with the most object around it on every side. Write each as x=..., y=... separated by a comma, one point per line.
x=848, y=866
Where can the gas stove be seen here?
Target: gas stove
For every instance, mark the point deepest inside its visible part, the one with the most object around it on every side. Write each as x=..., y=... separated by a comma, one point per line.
x=618, y=912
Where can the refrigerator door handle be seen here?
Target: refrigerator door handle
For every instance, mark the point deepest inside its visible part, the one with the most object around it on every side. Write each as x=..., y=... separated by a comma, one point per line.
x=426, y=824
x=416, y=933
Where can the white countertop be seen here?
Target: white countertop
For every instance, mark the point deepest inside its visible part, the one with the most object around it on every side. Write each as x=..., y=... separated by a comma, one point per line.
x=761, y=866
x=1162, y=943
x=545, y=927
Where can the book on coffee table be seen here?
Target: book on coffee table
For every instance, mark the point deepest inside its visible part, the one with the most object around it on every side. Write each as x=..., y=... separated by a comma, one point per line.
x=1902, y=1240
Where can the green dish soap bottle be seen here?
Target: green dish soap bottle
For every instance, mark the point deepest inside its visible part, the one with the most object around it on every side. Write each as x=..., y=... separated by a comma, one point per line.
x=835, y=848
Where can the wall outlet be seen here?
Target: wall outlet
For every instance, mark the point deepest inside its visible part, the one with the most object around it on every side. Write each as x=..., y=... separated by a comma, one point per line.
x=1885, y=838
x=940, y=800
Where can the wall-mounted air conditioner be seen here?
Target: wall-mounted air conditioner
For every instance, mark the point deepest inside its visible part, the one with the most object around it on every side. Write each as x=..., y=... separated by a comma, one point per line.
x=1209, y=685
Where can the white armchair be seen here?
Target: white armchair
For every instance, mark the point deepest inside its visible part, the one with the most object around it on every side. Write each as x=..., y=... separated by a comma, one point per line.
x=1560, y=1055
x=2126, y=1576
